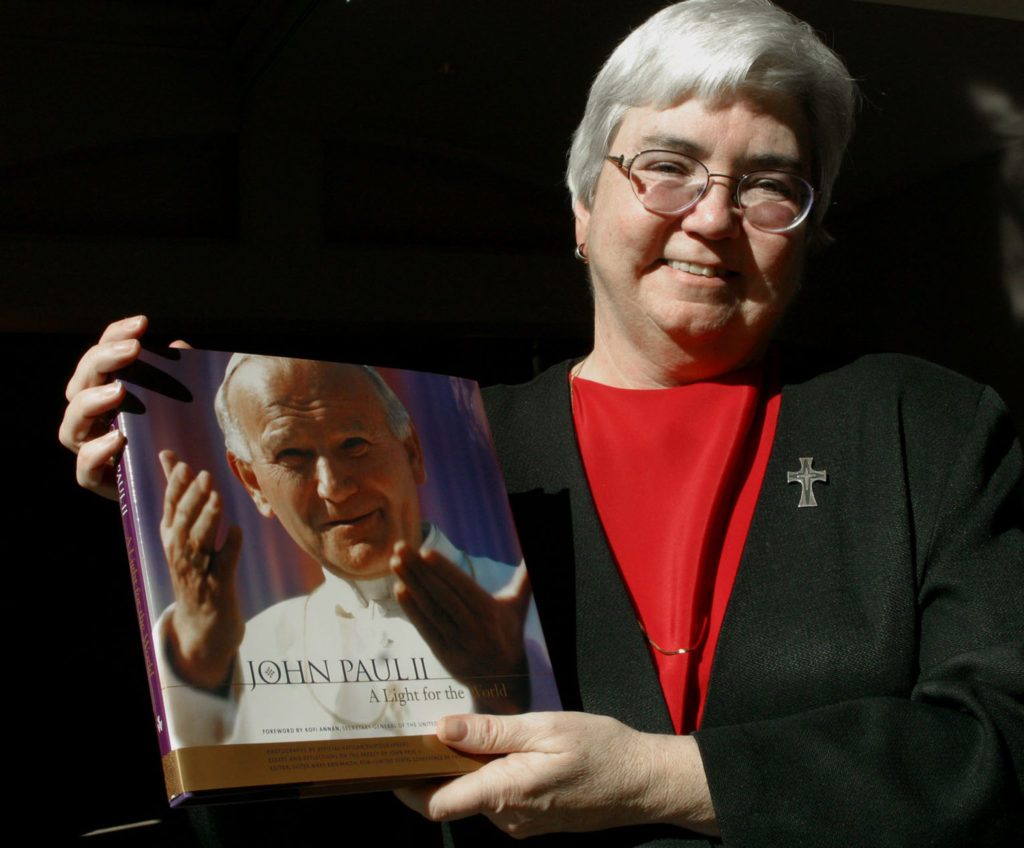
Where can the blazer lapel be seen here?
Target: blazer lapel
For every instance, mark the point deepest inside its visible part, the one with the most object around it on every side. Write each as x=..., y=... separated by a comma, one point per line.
x=615, y=674
x=808, y=589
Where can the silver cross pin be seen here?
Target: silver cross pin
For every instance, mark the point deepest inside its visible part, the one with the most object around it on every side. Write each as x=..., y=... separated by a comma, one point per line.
x=807, y=477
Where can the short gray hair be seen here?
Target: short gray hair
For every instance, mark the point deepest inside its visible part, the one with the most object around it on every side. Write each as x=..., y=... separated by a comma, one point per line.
x=235, y=441
x=715, y=50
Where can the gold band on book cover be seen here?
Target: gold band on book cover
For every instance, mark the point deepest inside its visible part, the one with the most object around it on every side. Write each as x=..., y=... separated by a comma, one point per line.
x=389, y=761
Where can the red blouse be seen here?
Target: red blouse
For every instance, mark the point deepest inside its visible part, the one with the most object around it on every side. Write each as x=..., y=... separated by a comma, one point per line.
x=675, y=475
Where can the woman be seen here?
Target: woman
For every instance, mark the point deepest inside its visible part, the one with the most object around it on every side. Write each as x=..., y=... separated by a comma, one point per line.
x=842, y=539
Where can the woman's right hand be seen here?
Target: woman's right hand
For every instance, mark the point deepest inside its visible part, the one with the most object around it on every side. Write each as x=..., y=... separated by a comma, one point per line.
x=92, y=401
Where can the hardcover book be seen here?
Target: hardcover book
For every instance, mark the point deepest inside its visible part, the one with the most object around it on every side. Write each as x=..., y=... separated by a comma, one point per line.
x=324, y=565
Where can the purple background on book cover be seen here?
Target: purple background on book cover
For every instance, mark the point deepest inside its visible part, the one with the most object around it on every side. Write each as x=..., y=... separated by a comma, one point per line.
x=464, y=493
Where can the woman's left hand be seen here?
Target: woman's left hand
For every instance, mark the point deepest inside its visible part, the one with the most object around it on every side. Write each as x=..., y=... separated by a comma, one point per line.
x=568, y=772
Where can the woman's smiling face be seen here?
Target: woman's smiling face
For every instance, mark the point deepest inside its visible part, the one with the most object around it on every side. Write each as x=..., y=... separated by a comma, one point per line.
x=691, y=295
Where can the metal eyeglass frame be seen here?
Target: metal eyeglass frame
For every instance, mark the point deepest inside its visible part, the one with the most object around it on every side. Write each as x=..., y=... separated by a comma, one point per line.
x=627, y=168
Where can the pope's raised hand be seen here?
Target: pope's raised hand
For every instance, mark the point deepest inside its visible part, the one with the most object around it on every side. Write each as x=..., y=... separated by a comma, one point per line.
x=477, y=636
x=206, y=624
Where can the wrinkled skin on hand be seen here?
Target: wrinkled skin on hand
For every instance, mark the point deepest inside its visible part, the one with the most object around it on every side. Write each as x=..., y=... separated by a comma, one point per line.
x=206, y=625
x=568, y=772
x=93, y=401
x=477, y=636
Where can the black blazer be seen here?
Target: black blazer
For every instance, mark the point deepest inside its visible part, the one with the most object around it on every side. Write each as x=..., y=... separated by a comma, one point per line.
x=868, y=681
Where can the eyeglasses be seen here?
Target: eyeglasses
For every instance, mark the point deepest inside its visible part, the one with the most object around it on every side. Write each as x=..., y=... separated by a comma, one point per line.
x=669, y=183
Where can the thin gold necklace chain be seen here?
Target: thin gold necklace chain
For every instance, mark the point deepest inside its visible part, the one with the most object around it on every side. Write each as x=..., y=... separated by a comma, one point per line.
x=674, y=651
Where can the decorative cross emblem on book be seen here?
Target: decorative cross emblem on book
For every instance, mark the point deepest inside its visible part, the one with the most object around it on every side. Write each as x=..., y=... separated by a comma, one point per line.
x=807, y=477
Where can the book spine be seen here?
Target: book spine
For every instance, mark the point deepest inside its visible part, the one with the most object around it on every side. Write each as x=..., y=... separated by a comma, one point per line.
x=128, y=499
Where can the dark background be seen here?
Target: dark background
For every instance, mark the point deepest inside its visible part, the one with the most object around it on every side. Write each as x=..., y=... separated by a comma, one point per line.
x=381, y=180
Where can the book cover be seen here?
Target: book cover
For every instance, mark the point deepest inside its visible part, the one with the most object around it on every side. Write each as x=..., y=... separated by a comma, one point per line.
x=290, y=646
